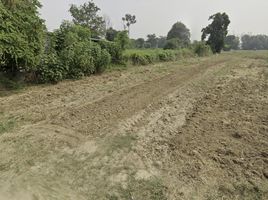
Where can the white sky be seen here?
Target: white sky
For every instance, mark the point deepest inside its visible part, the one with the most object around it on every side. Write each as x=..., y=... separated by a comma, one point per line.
x=157, y=16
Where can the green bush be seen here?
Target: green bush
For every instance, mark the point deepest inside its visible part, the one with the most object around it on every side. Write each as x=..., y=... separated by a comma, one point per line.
x=103, y=62
x=173, y=43
x=78, y=55
x=50, y=69
x=114, y=50
x=21, y=37
x=201, y=49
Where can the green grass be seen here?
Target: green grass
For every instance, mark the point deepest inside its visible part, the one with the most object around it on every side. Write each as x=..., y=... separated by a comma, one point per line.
x=151, y=189
x=7, y=125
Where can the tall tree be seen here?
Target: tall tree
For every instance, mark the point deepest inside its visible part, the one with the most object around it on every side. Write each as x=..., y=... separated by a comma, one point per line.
x=216, y=31
x=21, y=37
x=181, y=32
x=128, y=20
x=87, y=15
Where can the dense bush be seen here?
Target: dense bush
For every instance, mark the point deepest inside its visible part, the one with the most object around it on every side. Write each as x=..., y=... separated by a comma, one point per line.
x=114, y=50
x=21, y=37
x=70, y=53
x=50, y=69
x=201, y=49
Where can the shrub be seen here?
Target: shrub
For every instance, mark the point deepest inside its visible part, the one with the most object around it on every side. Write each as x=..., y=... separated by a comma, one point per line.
x=103, y=62
x=50, y=69
x=145, y=57
x=21, y=38
x=201, y=49
x=114, y=50
x=174, y=43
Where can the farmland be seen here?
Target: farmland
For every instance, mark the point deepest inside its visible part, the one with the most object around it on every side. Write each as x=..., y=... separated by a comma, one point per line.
x=194, y=128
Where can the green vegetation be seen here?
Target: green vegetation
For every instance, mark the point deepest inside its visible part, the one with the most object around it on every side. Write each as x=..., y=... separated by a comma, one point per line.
x=180, y=36
x=201, y=49
x=76, y=49
x=150, y=56
x=7, y=125
x=216, y=31
x=254, y=42
x=231, y=43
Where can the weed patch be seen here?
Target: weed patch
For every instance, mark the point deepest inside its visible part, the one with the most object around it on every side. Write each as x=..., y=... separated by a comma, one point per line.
x=7, y=125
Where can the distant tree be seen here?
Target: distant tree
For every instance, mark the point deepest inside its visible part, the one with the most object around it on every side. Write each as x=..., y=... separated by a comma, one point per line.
x=162, y=41
x=231, y=43
x=139, y=43
x=173, y=43
x=152, y=39
x=254, y=42
x=180, y=32
x=216, y=31
x=122, y=39
x=111, y=34
x=87, y=15
x=128, y=20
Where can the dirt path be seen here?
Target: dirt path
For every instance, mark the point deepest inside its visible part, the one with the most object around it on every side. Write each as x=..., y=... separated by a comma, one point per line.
x=196, y=129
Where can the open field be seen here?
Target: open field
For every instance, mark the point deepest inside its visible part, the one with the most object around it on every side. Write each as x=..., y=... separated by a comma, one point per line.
x=194, y=129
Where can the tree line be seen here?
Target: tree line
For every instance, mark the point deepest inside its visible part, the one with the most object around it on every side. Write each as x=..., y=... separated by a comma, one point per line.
x=88, y=44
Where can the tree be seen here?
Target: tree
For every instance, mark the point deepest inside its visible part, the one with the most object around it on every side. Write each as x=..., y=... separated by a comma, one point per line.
x=139, y=43
x=111, y=34
x=128, y=20
x=87, y=15
x=216, y=31
x=122, y=39
x=162, y=41
x=152, y=39
x=254, y=42
x=231, y=43
x=180, y=32
x=21, y=37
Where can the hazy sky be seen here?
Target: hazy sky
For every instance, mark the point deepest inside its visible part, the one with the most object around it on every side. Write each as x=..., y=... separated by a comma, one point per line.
x=157, y=16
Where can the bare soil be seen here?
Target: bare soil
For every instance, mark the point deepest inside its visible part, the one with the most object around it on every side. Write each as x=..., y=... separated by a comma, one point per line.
x=194, y=129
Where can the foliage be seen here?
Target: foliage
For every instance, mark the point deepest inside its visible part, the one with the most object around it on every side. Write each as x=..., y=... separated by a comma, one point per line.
x=87, y=15
x=201, y=49
x=152, y=39
x=114, y=50
x=216, y=31
x=149, y=56
x=74, y=55
x=50, y=69
x=128, y=20
x=254, y=42
x=231, y=43
x=181, y=33
x=111, y=34
x=162, y=40
x=21, y=37
x=173, y=43
x=122, y=39
x=139, y=43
